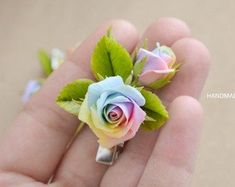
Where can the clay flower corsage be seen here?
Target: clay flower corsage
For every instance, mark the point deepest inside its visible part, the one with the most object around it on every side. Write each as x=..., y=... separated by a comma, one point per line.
x=120, y=101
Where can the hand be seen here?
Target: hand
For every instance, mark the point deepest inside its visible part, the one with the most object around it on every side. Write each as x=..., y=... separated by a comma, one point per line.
x=35, y=147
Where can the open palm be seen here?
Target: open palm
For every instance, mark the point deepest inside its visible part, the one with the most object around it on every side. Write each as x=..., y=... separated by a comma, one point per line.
x=35, y=147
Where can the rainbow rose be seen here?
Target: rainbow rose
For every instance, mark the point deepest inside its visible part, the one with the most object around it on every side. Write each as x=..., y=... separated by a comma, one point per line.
x=159, y=64
x=113, y=111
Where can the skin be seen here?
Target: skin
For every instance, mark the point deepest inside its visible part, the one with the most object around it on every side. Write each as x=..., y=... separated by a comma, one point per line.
x=35, y=146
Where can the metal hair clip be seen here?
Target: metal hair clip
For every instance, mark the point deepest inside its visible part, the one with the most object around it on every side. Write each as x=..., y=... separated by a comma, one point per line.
x=108, y=156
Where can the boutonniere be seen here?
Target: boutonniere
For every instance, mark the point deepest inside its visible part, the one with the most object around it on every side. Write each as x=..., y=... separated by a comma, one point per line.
x=120, y=100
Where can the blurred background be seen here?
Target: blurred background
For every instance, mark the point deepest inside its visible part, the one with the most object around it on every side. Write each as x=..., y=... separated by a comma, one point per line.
x=27, y=25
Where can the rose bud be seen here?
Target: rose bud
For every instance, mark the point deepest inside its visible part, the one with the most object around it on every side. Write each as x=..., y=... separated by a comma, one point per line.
x=159, y=66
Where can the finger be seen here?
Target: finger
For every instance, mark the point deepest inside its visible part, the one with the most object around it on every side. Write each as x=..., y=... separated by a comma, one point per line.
x=78, y=167
x=136, y=153
x=172, y=160
x=39, y=136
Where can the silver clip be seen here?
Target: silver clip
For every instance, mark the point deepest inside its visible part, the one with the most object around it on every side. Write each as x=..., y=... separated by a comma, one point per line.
x=108, y=156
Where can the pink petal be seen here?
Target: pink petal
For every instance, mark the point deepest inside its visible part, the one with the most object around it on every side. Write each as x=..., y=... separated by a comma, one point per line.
x=137, y=119
x=115, y=113
x=166, y=58
x=149, y=77
x=126, y=109
x=154, y=62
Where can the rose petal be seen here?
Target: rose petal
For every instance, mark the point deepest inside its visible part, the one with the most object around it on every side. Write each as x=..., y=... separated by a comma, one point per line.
x=132, y=93
x=154, y=61
x=113, y=84
x=85, y=116
x=149, y=77
x=126, y=108
x=143, y=53
x=110, y=142
x=164, y=50
x=116, y=98
x=113, y=124
x=115, y=114
x=122, y=94
x=104, y=126
x=96, y=89
x=166, y=59
x=115, y=110
x=107, y=98
x=137, y=120
x=119, y=131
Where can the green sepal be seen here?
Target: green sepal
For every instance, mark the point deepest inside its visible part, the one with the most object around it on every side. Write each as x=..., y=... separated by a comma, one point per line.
x=129, y=79
x=139, y=88
x=138, y=67
x=145, y=44
x=110, y=58
x=100, y=77
x=72, y=95
x=135, y=53
x=148, y=118
x=162, y=82
x=45, y=61
x=155, y=111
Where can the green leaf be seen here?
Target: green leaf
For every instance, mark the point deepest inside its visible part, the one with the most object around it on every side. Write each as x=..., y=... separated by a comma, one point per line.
x=45, y=61
x=70, y=106
x=152, y=125
x=71, y=96
x=153, y=103
x=110, y=58
x=154, y=110
x=162, y=82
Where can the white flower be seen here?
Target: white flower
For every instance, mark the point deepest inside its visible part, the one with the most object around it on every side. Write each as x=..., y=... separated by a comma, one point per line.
x=57, y=58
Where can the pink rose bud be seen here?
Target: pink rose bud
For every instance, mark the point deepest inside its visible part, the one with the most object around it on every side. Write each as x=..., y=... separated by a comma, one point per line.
x=159, y=64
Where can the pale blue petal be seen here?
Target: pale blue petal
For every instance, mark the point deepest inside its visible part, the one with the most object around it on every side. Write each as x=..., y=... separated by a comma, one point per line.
x=116, y=98
x=96, y=89
x=133, y=94
x=109, y=97
x=100, y=103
